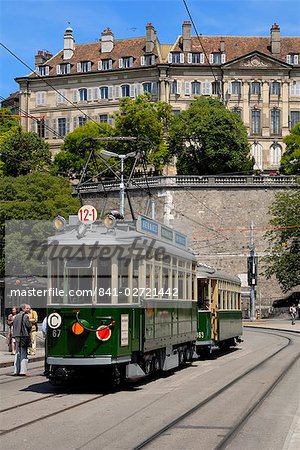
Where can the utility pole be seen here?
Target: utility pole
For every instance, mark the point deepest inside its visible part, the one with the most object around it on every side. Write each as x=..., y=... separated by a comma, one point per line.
x=252, y=274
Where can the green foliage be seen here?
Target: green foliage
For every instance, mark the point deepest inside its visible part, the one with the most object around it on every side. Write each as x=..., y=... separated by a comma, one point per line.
x=23, y=153
x=290, y=161
x=209, y=139
x=70, y=161
x=148, y=121
x=284, y=240
x=7, y=121
x=32, y=197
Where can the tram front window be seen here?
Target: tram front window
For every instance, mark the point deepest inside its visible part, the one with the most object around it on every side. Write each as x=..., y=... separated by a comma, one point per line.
x=79, y=281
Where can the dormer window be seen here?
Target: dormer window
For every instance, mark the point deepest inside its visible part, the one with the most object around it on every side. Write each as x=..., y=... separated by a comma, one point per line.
x=148, y=60
x=63, y=69
x=126, y=62
x=217, y=58
x=105, y=64
x=44, y=71
x=84, y=66
x=176, y=58
x=292, y=58
x=195, y=58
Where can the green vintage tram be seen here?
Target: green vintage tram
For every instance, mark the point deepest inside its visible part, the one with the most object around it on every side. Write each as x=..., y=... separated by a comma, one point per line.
x=219, y=310
x=122, y=299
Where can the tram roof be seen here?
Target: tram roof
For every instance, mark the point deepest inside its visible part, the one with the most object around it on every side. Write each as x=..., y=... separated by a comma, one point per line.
x=212, y=273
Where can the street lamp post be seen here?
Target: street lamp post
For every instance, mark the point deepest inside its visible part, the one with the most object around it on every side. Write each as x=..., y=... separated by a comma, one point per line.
x=122, y=187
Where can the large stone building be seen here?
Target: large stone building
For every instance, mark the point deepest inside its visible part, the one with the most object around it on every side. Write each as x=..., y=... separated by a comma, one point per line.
x=257, y=77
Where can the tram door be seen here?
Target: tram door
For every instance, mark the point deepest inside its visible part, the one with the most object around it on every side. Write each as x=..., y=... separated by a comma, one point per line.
x=214, y=312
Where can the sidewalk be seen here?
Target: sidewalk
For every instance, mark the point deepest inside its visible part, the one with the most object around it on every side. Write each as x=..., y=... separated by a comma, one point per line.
x=7, y=359
x=274, y=324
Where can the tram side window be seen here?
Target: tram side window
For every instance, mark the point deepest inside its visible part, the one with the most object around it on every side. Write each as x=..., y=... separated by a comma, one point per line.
x=180, y=285
x=165, y=281
x=123, y=280
x=104, y=294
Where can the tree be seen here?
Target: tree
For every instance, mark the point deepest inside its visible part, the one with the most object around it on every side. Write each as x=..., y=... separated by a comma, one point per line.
x=71, y=159
x=290, y=161
x=23, y=153
x=148, y=121
x=31, y=197
x=8, y=124
x=209, y=139
x=283, y=260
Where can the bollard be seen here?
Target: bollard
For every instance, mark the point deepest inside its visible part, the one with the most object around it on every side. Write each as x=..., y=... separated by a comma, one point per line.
x=258, y=315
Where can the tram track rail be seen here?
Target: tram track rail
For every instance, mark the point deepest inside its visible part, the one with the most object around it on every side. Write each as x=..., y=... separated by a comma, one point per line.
x=239, y=424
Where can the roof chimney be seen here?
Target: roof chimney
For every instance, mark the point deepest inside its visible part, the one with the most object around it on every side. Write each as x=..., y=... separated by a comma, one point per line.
x=150, y=38
x=186, y=36
x=275, y=39
x=107, y=41
x=222, y=46
x=68, y=43
x=42, y=57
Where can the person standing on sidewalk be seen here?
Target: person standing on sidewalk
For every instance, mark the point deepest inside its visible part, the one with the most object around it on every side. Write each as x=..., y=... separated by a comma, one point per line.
x=21, y=333
x=293, y=312
x=33, y=317
x=10, y=321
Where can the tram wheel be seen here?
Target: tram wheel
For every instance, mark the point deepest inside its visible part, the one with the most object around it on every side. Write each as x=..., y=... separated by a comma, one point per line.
x=148, y=367
x=156, y=364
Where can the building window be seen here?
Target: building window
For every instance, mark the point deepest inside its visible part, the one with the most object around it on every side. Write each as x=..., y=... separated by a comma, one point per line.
x=44, y=71
x=126, y=62
x=294, y=118
x=40, y=98
x=175, y=58
x=292, y=58
x=196, y=88
x=256, y=152
x=103, y=91
x=275, y=88
x=295, y=89
x=238, y=111
x=255, y=88
x=216, y=88
x=149, y=60
x=81, y=120
x=106, y=64
x=215, y=58
x=175, y=87
x=62, y=127
x=197, y=58
x=103, y=118
x=255, y=122
x=64, y=69
x=275, y=154
x=275, y=121
x=147, y=87
x=83, y=95
x=41, y=128
x=125, y=89
x=236, y=88
x=84, y=66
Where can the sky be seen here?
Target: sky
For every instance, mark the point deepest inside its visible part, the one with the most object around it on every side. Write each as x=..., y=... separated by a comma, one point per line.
x=27, y=26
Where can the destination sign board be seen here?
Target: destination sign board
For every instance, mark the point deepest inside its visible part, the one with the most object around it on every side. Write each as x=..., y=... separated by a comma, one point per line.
x=154, y=228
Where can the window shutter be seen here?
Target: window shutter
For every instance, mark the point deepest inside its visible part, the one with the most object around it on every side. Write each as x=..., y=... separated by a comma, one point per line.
x=111, y=121
x=74, y=95
x=47, y=70
x=68, y=126
x=120, y=63
x=95, y=93
x=78, y=67
x=296, y=59
x=37, y=98
x=190, y=58
x=208, y=88
x=153, y=60
x=33, y=125
x=89, y=68
x=201, y=58
x=178, y=87
x=68, y=68
x=46, y=122
x=58, y=97
x=154, y=88
x=131, y=61
x=211, y=58
x=229, y=89
x=100, y=65
x=181, y=58
x=54, y=122
x=169, y=57
x=89, y=94
x=132, y=90
x=223, y=58
x=74, y=122
x=187, y=88
x=142, y=60
x=110, y=64
x=288, y=59
x=110, y=92
x=117, y=91
x=58, y=69
x=139, y=89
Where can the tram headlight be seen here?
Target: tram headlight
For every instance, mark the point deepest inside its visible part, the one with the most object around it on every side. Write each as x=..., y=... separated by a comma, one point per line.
x=109, y=221
x=59, y=223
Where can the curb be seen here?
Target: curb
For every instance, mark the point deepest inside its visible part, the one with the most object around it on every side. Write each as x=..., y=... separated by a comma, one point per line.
x=11, y=363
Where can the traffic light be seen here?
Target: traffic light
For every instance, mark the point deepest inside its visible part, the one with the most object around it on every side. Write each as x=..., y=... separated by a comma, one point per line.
x=252, y=263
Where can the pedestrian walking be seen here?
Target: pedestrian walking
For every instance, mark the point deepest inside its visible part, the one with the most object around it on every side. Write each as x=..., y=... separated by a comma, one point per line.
x=293, y=312
x=21, y=333
x=33, y=317
x=9, y=339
